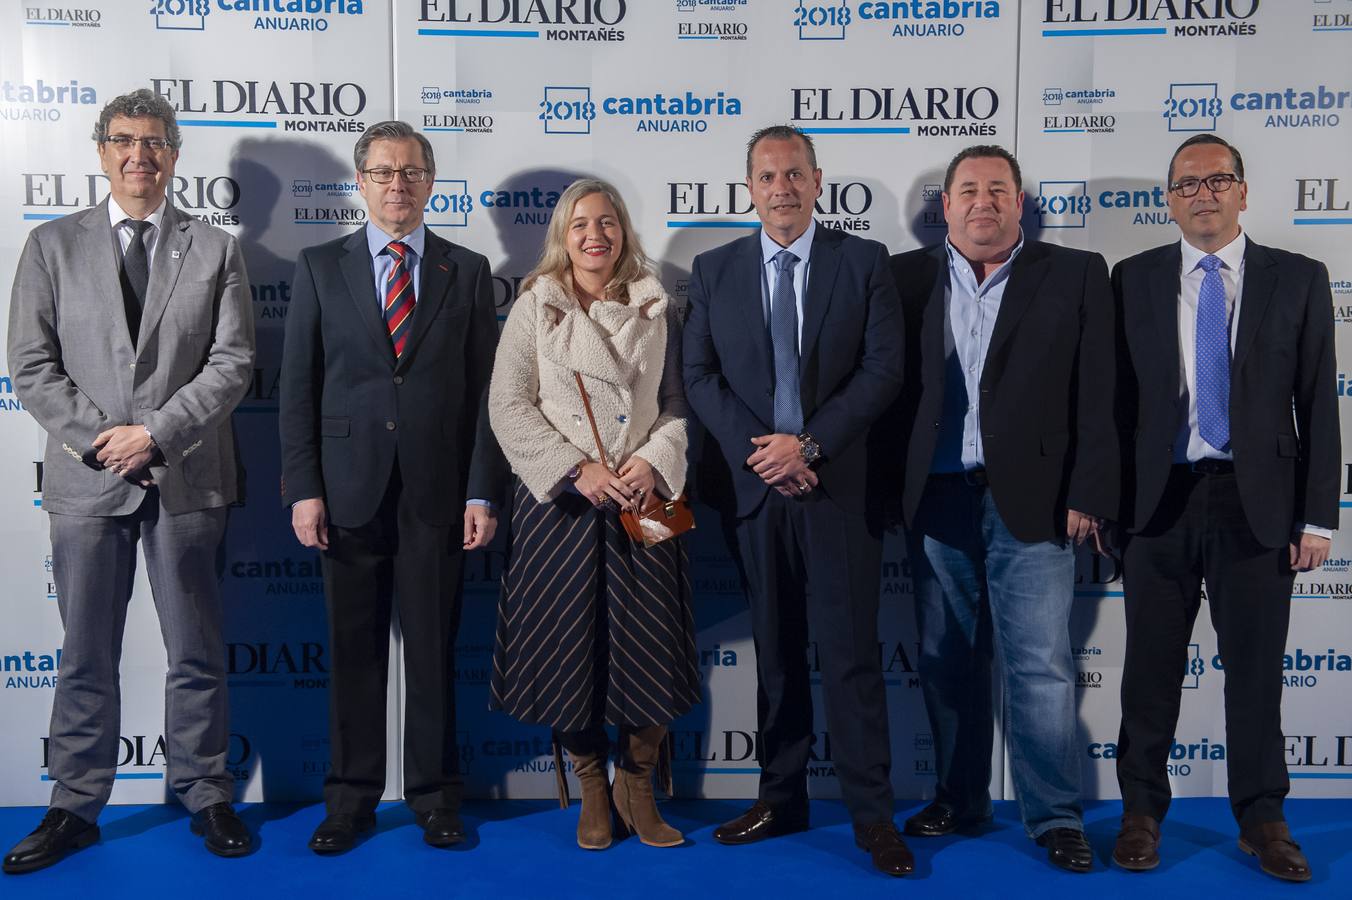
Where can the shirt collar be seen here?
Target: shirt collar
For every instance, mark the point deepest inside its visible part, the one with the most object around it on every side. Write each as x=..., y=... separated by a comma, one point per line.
x=377, y=240
x=116, y=216
x=957, y=261
x=1232, y=254
x=801, y=248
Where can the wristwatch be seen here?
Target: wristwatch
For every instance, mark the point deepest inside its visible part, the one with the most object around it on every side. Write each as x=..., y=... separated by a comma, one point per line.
x=809, y=448
x=575, y=472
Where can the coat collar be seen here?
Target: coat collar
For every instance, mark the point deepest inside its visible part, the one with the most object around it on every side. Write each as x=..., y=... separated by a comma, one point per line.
x=1029, y=268
x=172, y=249
x=1260, y=281
x=584, y=343
x=355, y=264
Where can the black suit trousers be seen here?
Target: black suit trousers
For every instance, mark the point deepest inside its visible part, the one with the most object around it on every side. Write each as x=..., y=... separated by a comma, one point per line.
x=1199, y=532
x=394, y=562
x=811, y=567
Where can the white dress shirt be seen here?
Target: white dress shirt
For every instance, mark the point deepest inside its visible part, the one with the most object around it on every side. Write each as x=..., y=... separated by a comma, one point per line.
x=122, y=231
x=1188, y=445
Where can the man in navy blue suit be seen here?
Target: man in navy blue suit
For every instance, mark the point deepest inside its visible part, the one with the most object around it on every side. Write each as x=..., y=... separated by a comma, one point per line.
x=793, y=350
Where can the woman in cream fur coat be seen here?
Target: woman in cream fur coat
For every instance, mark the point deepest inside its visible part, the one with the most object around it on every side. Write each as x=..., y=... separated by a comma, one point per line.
x=594, y=629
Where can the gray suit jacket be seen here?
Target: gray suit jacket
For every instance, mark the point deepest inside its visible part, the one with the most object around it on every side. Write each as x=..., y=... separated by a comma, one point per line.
x=74, y=367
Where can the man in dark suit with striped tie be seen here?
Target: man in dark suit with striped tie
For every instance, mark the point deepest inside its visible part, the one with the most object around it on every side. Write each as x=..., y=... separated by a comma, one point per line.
x=385, y=441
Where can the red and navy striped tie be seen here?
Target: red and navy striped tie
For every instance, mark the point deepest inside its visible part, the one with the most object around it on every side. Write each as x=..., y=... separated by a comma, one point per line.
x=398, y=297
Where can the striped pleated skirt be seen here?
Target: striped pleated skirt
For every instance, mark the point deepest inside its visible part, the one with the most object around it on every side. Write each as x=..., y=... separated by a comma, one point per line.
x=592, y=628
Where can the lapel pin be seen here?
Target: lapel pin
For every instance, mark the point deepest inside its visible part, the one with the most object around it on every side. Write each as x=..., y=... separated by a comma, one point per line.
x=175, y=254
x=442, y=267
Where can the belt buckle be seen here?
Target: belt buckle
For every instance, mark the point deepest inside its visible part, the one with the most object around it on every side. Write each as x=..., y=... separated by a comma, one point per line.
x=975, y=477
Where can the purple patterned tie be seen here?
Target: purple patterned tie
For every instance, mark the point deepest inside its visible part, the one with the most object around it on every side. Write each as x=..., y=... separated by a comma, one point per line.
x=1213, y=357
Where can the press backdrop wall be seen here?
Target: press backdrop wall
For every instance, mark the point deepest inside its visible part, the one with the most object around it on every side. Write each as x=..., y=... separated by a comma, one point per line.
x=519, y=97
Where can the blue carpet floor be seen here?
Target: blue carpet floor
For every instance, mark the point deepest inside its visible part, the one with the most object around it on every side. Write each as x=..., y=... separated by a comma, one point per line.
x=526, y=849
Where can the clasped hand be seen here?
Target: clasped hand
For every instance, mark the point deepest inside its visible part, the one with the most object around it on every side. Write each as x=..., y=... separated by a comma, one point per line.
x=778, y=460
x=626, y=488
x=126, y=450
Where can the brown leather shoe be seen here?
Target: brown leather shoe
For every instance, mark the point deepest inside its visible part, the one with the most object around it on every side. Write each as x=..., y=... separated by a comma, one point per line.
x=1138, y=843
x=1278, y=855
x=883, y=842
x=937, y=820
x=758, y=823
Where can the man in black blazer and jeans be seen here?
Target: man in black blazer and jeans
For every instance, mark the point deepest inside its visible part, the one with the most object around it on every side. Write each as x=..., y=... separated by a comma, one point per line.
x=1010, y=457
x=1227, y=383
x=389, y=348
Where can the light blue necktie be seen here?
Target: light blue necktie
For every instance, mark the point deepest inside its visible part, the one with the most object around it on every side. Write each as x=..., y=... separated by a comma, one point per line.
x=784, y=336
x=1213, y=357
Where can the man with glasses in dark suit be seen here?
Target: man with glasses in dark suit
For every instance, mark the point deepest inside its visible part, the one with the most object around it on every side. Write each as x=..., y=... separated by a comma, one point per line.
x=389, y=348
x=1228, y=405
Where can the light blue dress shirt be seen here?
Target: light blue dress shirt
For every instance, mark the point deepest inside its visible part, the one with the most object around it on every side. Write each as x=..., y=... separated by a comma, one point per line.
x=971, y=310
x=382, y=262
x=801, y=248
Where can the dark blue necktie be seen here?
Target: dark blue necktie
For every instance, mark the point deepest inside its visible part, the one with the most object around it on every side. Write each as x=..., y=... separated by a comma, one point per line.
x=1213, y=357
x=784, y=336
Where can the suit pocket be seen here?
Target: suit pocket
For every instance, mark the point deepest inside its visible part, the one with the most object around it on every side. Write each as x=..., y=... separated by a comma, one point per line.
x=1055, y=444
x=335, y=426
x=1287, y=445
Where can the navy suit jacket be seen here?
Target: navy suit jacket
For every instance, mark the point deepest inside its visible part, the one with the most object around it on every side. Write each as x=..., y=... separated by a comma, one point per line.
x=1046, y=389
x=850, y=362
x=348, y=408
x=1283, y=400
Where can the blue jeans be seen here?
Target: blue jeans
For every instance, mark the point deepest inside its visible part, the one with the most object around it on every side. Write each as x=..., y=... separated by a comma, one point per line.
x=978, y=589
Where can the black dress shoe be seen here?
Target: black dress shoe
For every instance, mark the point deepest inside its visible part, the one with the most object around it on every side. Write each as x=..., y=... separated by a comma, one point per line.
x=338, y=832
x=939, y=819
x=441, y=827
x=1067, y=848
x=883, y=842
x=224, y=833
x=758, y=823
x=59, y=833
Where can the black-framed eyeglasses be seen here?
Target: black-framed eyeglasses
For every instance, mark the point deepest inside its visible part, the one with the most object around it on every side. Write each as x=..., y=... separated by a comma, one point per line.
x=384, y=174
x=124, y=142
x=1217, y=184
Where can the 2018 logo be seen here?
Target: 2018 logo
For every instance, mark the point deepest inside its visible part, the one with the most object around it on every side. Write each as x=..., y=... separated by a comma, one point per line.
x=1193, y=106
x=822, y=21
x=449, y=205
x=567, y=110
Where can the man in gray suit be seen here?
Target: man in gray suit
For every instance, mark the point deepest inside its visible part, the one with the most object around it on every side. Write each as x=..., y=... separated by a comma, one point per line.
x=134, y=387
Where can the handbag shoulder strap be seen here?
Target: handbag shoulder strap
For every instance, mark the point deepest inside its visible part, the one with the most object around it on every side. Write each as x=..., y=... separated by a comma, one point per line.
x=586, y=404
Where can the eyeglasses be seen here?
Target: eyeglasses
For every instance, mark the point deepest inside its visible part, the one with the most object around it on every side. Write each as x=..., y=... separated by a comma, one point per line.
x=124, y=142
x=1217, y=184
x=384, y=175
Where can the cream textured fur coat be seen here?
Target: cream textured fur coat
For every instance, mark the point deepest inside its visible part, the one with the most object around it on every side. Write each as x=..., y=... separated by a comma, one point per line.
x=629, y=357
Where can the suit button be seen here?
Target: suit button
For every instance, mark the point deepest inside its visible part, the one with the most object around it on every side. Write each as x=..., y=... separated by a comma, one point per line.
x=399, y=379
x=389, y=426
x=936, y=425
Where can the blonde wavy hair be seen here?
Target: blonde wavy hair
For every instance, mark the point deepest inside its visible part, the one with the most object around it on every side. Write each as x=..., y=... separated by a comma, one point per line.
x=633, y=263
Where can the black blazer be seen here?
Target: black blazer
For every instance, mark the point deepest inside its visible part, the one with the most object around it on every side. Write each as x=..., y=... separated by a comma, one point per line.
x=849, y=365
x=348, y=409
x=1283, y=398
x=1046, y=390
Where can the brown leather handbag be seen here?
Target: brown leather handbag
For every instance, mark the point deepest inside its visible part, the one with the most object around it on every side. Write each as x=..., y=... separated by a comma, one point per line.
x=658, y=519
